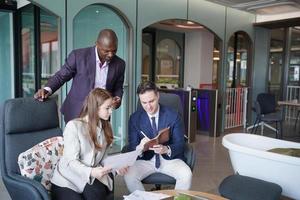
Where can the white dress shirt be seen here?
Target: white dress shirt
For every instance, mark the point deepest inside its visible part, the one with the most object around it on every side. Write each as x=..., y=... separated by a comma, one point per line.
x=101, y=72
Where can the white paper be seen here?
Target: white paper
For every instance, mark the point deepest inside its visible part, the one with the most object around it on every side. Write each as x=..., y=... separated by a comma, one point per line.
x=121, y=160
x=143, y=195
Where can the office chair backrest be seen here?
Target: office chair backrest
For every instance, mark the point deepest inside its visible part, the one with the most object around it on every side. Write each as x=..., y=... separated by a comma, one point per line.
x=170, y=100
x=266, y=102
x=26, y=122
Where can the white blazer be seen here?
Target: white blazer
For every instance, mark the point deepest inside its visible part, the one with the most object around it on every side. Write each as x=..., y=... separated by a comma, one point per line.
x=74, y=168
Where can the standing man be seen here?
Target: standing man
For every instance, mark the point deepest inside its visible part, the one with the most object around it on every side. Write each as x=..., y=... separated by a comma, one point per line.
x=90, y=67
x=165, y=158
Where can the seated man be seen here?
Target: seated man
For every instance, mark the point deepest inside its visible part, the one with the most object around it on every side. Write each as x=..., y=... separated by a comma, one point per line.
x=165, y=158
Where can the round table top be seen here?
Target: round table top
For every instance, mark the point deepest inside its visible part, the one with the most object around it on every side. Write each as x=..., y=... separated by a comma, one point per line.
x=202, y=194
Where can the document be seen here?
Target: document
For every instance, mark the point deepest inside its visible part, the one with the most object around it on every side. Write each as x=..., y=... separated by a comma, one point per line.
x=121, y=160
x=143, y=195
x=162, y=137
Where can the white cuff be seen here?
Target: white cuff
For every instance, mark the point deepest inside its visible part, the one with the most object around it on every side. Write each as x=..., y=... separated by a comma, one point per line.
x=169, y=151
x=48, y=89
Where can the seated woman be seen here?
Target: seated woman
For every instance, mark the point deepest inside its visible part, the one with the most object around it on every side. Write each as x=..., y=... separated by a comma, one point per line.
x=79, y=174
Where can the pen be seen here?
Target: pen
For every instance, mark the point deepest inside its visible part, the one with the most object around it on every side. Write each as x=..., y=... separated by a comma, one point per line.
x=144, y=134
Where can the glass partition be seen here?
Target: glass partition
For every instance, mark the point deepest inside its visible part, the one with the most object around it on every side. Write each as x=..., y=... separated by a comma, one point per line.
x=275, y=62
x=239, y=49
x=168, y=57
x=6, y=57
x=87, y=24
x=294, y=65
x=28, y=51
x=40, y=52
x=49, y=46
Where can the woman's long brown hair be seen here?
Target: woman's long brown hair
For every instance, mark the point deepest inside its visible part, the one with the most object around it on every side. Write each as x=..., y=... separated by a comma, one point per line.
x=90, y=109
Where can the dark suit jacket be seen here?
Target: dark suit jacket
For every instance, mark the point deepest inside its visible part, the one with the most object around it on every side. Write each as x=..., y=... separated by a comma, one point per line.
x=139, y=121
x=81, y=67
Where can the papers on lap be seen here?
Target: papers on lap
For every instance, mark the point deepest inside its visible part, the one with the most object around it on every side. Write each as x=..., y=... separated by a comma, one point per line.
x=121, y=160
x=162, y=137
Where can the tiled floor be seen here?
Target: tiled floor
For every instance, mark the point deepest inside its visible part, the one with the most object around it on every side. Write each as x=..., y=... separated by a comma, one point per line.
x=212, y=164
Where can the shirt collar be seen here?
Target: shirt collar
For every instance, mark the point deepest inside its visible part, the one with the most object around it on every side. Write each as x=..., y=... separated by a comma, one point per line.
x=156, y=115
x=98, y=61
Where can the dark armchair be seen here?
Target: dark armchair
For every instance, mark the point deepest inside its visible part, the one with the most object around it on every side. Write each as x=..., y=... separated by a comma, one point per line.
x=24, y=122
x=158, y=179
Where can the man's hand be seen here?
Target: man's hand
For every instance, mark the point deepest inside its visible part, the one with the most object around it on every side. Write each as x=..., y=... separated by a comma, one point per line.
x=98, y=172
x=140, y=147
x=41, y=94
x=159, y=149
x=116, y=102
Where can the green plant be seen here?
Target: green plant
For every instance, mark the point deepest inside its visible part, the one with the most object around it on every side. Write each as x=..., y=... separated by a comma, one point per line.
x=182, y=197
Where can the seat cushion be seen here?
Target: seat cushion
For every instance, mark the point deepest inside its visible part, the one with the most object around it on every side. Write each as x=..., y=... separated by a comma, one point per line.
x=237, y=187
x=38, y=162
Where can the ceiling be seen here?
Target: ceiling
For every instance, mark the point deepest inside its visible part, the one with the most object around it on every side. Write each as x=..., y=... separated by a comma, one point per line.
x=262, y=7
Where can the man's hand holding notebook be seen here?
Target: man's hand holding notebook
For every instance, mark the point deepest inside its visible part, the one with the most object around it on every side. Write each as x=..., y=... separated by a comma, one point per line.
x=162, y=137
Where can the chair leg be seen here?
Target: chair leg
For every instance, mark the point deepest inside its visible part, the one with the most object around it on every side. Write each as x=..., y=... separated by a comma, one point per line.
x=276, y=127
x=281, y=128
x=254, y=125
x=298, y=113
x=258, y=121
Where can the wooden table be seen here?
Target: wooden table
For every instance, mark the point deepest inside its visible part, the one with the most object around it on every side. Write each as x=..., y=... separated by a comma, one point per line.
x=202, y=194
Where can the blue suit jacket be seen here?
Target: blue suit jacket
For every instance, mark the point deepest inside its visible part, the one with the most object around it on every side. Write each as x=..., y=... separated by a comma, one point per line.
x=139, y=121
x=81, y=67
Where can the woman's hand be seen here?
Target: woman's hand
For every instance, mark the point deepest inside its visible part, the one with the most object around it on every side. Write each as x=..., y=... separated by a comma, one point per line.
x=98, y=172
x=122, y=171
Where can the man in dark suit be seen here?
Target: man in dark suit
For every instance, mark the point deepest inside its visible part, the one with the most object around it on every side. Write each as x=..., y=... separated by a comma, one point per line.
x=166, y=158
x=90, y=67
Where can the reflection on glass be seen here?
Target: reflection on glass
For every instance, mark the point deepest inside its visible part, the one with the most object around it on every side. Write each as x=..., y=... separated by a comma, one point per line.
x=238, y=64
x=6, y=57
x=168, y=55
x=275, y=62
x=49, y=45
x=216, y=61
x=293, y=73
x=27, y=30
x=146, y=55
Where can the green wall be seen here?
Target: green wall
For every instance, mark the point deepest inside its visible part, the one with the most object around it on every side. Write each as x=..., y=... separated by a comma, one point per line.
x=6, y=44
x=138, y=14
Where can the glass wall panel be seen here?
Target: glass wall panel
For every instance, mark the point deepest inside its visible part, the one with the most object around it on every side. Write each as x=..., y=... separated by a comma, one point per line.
x=147, y=56
x=238, y=52
x=275, y=62
x=87, y=24
x=49, y=45
x=6, y=57
x=168, y=55
x=294, y=65
x=28, y=51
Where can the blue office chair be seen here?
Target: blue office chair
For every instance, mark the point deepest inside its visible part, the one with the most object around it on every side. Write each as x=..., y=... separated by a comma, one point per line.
x=24, y=122
x=158, y=179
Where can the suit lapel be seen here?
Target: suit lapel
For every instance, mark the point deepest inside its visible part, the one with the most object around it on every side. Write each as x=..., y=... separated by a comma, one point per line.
x=162, y=118
x=110, y=73
x=146, y=125
x=91, y=60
